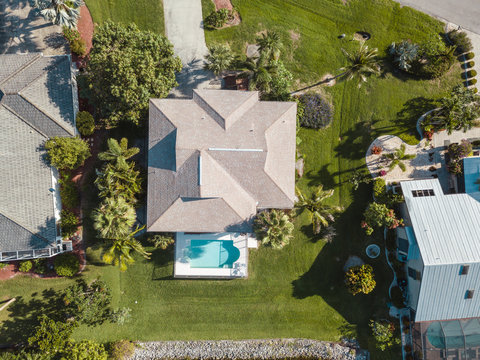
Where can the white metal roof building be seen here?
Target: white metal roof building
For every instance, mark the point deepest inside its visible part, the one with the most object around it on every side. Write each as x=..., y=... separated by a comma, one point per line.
x=444, y=283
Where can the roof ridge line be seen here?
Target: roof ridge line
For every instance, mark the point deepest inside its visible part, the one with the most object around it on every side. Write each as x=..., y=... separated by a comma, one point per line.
x=44, y=113
x=22, y=68
x=22, y=119
x=27, y=229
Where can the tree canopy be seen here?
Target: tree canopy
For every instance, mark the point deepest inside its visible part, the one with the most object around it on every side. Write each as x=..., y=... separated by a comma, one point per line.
x=67, y=153
x=127, y=67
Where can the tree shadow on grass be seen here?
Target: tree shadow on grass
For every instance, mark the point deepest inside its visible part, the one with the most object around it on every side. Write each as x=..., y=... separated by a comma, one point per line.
x=161, y=258
x=24, y=315
x=412, y=110
x=321, y=177
x=325, y=278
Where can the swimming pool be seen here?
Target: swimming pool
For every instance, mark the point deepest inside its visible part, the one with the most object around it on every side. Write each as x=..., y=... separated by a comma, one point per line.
x=212, y=253
x=471, y=174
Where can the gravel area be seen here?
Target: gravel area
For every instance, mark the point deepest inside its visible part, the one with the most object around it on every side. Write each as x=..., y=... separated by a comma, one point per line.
x=246, y=349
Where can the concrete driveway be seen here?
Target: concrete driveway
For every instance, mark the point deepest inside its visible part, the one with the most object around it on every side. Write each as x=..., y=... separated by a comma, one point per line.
x=184, y=28
x=21, y=30
x=465, y=13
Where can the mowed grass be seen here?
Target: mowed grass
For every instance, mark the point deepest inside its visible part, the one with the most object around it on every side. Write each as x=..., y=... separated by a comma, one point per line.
x=298, y=291
x=147, y=14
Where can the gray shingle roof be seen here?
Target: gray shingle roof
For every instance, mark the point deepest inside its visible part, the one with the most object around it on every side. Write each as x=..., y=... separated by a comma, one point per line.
x=36, y=102
x=214, y=159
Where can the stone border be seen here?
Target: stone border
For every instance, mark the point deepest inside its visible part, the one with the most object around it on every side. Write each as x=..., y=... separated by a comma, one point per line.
x=247, y=349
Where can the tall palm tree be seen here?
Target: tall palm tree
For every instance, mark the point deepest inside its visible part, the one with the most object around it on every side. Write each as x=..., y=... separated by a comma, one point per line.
x=119, y=253
x=320, y=214
x=60, y=12
x=274, y=228
x=361, y=63
x=114, y=218
x=269, y=46
x=219, y=58
x=118, y=151
x=120, y=179
x=397, y=157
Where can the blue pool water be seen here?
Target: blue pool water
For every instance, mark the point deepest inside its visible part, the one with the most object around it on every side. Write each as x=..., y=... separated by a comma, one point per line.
x=213, y=253
x=471, y=174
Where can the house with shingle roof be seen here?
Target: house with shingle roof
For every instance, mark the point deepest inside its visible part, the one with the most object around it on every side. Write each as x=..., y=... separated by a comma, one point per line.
x=216, y=159
x=213, y=162
x=38, y=100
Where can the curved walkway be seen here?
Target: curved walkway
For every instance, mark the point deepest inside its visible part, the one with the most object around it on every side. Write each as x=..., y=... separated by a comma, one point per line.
x=184, y=28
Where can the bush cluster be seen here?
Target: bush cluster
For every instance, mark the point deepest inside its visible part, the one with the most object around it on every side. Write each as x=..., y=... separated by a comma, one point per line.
x=317, y=113
x=122, y=350
x=470, y=56
x=66, y=264
x=218, y=18
x=67, y=153
x=25, y=266
x=360, y=279
x=68, y=191
x=68, y=223
x=456, y=153
x=77, y=44
x=461, y=41
x=85, y=123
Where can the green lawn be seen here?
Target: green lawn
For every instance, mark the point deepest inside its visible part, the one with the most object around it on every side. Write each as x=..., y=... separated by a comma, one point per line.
x=147, y=14
x=298, y=291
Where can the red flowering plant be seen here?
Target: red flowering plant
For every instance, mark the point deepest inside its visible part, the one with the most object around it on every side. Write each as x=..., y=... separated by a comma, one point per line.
x=378, y=215
x=376, y=150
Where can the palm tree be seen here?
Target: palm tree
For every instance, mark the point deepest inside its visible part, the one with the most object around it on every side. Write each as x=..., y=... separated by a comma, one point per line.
x=120, y=252
x=60, y=12
x=114, y=218
x=219, y=58
x=260, y=74
x=362, y=63
x=320, y=213
x=274, y=228
x=120, y=179
x=118, y=151
x=397, y=157
x=269, y=46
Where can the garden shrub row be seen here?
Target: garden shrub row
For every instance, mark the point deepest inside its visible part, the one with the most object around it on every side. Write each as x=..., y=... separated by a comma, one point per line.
x=77, y=44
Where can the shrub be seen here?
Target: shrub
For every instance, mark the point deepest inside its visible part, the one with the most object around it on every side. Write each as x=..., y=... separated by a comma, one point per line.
x=68, y=223
x=470, y=56
x=78, y=47
x=471, y=73
x=383, y=332
x=318, y=113
x=25, y=266
x=461, y=41
x=460, y=151
x=66, y=264
x=436, y=67
x=84, y=350
x=471, y=64
x=376, y=150
x=360, y=279
x=454, y=168
x=40, y=266
x=67, y=153
x=161, y=241
x=475, y=90
x=379, y=215
x=379, y=188
x=70, y=34
x=68, y=191
x=472, y=81
x=218, y=18
x=404, y=54
x=121, y=316
x=122, y=350
x=3, y=265
x=397, y=297
x=50, y=336
x=85, y=123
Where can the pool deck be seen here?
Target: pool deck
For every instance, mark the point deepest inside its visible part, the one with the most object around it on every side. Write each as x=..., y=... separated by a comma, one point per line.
x=239, y=269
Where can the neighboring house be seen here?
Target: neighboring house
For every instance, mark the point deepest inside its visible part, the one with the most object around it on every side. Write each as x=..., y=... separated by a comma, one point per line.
x=441, y=248
x=38, y=100
x=216, y=159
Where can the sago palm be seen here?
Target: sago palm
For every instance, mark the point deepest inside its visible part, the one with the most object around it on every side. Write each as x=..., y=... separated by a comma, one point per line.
x=60, y=12
x=114, y=218
x=269, y=46
x=361, y=63
x=120, y=252
x=397, y=158
x=274, y=228
x=219, y=58
x=118, y=151
x=320, y=214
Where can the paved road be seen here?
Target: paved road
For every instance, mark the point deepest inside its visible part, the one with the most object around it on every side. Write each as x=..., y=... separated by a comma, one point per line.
x=184, y=28
x=465, y=13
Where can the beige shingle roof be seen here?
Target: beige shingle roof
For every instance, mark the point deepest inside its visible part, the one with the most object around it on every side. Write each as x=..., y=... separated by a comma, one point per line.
x=214, y=159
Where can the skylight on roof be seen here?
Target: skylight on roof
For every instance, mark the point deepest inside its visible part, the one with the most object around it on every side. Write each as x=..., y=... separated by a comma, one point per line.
x=423, y=193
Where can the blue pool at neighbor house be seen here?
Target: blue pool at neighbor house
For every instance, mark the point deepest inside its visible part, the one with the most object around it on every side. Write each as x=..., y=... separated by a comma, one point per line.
x=471, y=174
x=213, y=253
